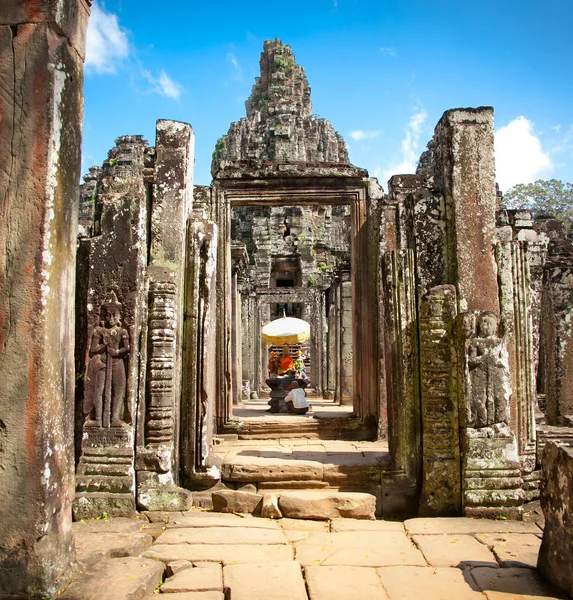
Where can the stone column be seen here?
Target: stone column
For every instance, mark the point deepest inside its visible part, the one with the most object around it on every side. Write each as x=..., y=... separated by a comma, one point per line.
x=465, y=172
x=41, y=57
x=557, y=331
x=157, y=458
x=113, y=312
x=346, y=340
x=441, y=485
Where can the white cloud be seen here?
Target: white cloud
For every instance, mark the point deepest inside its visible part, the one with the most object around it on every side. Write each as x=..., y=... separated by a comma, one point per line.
x=358, y=134
x=410, y=148
x=388, y=51
x=164, y=85
x=238, y=71
x=519, y=156
x=107, y=42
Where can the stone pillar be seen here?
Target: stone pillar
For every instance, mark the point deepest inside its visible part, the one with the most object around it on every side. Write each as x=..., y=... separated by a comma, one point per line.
x=465, y=172
x=346, y=340
x=157, y=458
x=41, y=57
x=491, y=468
x=199, y=352
x=113, y=313
x=557, y=331
x=441, y=485
x=554, y=561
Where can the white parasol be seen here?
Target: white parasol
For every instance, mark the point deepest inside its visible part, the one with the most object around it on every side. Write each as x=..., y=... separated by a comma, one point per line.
x=286, y=330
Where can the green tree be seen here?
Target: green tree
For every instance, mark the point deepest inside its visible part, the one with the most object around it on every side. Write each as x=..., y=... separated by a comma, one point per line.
x=551, y=197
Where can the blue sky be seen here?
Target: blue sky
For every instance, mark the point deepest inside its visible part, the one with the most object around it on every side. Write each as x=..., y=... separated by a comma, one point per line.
x=381, y=72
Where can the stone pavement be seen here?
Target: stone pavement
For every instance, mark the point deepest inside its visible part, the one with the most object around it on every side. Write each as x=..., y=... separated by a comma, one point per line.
x=200, y=555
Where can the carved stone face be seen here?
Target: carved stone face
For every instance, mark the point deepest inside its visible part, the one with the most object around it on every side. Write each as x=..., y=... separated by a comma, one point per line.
x=488, y=325
x=113, y=317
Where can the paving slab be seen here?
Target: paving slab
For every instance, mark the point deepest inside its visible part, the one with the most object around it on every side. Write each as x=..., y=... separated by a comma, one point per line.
x=462, y=551
x=457, y=525
x=116, y=579
x=327, y=505
x=303, y=524
x=221, y=553
x=93, y=547
x=361, y=525
x=212, y=519
x=513, y=549
x=276, y=581
x=195, y=580
x=344, y=583
x=190, y=596
x=513, y=584
x=115, y=525
x=223, y=535
x=408, y=583
x=255, y=468
x=359, y=549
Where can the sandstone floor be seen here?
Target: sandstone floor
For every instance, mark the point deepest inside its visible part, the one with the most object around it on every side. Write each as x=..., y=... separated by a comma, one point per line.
x=201, y=555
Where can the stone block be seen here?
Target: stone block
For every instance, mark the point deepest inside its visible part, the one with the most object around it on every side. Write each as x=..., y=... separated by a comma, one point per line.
x=270, y=508
x=557, y=503
x=342, y=583
x=461, y=551
x=95, y=506
x=164, y=499
x=222, y=535
x=279, y=580
x=502, y=584
x=428, y=583
x=359, y=525
x=229, y=501
x=177, y=566
x=327, y=505
x=212, y=519
x=117, y=579
x=221, y=553
x=464, y=525
x=195, y=580
x=191, y=596
x=513, y=549
x=93, y=547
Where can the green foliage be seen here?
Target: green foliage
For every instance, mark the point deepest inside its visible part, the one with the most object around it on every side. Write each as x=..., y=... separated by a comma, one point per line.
x=312, y=281
x=112, y=161
x=220, y=147
x=283, y=63
x=551, y=197
x=323, y=267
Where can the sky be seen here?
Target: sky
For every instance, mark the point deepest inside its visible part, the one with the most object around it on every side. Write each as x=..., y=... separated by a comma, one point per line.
x=382, y=72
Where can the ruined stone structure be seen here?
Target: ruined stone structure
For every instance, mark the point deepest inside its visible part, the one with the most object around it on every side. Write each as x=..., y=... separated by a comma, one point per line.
x=441, y=317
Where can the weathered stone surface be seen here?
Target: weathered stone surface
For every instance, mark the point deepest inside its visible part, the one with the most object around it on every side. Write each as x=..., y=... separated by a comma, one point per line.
x=557, y=502
x=93, y=547
x=222, y=553
x=222, y=535
x=510, y=584
x=428, y=583
x=361, y=549
x=303, y=525
x=464, y=525
x=125, y=579
x=164, y=499
x=195, y=580
x=279, y=580
x=212, y=519
x=40, y=143
x=359, y=525
x=327, y=505
x=179, y=565
x=192, y=596
x=235, y=502
x=270, y=507
x=256, y=468
x=446, y=550
x=342, y=583
x=513, y=549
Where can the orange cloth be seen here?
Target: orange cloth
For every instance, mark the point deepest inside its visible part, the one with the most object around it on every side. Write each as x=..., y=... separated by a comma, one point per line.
x=285, y=364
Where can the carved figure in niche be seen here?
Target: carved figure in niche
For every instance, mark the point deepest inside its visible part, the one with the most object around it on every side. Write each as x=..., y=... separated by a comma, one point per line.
x=488, y=374
x=273, y=364
x=106, y=381
x=299, y=366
